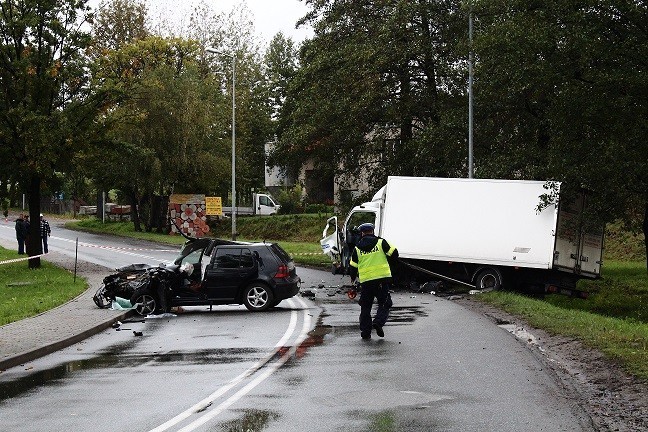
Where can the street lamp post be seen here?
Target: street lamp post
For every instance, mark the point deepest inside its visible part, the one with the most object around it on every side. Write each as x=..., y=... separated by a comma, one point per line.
x=214, y=51
x=471, y=59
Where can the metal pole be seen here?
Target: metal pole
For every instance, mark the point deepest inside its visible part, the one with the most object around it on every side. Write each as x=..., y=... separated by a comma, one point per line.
x=470, y=94
x=233, y=147
x=76, y=258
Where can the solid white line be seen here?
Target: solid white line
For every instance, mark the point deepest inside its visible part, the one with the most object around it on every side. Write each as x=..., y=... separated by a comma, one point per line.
x=206, y=402
x=258, y=380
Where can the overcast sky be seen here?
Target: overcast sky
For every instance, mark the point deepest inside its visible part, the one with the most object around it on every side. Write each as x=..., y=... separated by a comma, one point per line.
x=270, y=16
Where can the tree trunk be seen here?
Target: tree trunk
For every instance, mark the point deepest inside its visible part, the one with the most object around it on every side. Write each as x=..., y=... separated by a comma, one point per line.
x=34, y=244
x=645, y=231
x=100, y=205
x=135, y=217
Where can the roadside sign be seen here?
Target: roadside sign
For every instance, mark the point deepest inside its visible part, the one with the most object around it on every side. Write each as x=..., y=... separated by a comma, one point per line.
x=214, y=206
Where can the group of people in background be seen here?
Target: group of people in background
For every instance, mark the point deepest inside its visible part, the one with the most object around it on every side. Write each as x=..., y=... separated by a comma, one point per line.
x=22, y=233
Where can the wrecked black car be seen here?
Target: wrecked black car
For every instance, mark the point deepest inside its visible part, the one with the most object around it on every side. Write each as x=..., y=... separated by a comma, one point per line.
x=257, y=275
x=122, y=284
x=215, y=272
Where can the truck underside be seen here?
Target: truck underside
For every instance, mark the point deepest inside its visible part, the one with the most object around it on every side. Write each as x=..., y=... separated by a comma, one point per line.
x=486, y=278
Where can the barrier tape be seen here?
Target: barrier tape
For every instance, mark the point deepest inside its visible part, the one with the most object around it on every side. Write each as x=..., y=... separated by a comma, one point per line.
x=21, y=259
x=126, y=249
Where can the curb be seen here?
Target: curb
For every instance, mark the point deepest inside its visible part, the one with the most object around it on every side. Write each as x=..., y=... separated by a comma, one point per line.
x=44, y=350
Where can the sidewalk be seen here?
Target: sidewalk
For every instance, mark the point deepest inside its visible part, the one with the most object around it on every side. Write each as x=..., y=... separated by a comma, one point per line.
x=26, y=340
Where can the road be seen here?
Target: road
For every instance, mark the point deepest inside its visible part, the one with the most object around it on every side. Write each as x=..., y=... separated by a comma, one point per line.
x=300, y=366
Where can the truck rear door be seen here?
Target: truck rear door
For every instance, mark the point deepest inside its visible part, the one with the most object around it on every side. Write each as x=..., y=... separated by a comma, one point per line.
x=577, y=251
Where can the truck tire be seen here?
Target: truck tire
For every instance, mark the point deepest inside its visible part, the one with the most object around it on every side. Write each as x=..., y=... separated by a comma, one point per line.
x=488, y=280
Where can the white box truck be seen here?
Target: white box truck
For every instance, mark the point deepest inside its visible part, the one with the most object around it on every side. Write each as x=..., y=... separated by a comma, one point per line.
x=484, y=234
x=262, y=204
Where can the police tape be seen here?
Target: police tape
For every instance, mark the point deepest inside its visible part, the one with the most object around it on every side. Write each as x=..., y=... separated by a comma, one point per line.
x=21, y=259
x=308, y=253
x=15, y=260
x=125, y=248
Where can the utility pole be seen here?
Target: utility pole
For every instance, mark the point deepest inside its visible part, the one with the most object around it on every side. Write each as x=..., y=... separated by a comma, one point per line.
x=471, y=59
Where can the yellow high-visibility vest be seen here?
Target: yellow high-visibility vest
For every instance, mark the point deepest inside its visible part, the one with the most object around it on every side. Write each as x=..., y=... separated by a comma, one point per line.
x=373, y=264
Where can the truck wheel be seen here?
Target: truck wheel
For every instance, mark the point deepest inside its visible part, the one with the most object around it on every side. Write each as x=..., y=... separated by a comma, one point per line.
x=258, y=297
x=488, y=280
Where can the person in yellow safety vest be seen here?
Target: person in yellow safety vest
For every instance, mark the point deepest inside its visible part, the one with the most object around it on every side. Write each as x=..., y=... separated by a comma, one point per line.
x=369, y=262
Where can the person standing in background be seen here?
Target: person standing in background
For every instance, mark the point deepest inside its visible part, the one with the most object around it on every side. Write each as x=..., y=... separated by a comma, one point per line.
x=27, y=234
x=21, y=234
x=45, y=232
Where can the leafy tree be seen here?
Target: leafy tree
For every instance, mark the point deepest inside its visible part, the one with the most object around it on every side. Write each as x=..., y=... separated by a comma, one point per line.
x=281, y=63
x=562, y=94
x=159, y=131
x=377, y=89
x=237, y=47
x=45, y=106
x=119, y=22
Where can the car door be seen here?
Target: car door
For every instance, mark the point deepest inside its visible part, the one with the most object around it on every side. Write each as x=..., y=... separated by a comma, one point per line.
x=229, y=269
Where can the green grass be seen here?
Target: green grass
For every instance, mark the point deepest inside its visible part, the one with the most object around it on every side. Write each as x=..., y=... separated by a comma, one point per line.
x=622, y=339
x=124, y=229
x=27, y=292
x=614, y=318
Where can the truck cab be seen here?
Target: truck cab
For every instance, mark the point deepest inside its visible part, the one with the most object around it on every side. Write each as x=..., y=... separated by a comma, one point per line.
x=339, y=244
x=265, y=204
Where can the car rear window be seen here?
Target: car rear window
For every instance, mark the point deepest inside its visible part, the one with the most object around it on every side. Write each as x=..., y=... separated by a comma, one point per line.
x=282, y=254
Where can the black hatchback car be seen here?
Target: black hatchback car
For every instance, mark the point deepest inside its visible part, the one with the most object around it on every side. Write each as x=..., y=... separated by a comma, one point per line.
x=257, y=275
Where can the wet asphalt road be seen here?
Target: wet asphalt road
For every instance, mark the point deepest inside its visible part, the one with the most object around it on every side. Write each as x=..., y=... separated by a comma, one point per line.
x=301, y=366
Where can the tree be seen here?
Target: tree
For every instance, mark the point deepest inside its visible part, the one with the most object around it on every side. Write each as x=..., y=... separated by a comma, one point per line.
x=119, y=22
x=159, y=130
x=575, y=105
x=45, y=104
x=377, y=86
x=281, y=64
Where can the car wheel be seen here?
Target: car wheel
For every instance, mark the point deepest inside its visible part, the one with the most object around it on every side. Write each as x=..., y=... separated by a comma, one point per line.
x=100, y=298
x=145, y=303
x=488, y=280
x=258, y=297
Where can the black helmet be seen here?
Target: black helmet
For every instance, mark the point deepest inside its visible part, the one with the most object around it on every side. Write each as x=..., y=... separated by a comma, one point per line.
x=366, y=227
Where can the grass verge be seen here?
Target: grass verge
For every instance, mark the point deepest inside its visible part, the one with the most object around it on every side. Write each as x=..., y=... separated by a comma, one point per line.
x=27, y=292
x=614, y=319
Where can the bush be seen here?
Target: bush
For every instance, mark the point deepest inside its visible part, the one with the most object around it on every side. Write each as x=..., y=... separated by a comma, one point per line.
x=291, y=200
x=318, y=208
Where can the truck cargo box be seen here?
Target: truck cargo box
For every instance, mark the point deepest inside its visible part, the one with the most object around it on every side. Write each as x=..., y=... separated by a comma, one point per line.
x=479, y=225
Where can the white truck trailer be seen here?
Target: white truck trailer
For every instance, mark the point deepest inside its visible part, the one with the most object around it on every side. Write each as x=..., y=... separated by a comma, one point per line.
x=262, y=204
x=484, y=234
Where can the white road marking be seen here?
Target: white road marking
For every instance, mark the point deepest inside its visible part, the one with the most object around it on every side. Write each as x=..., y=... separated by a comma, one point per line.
x=207, y=402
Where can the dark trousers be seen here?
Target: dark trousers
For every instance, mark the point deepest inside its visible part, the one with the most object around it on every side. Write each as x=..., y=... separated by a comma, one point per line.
x=21, y=246
x=44, y=244
x=378, y=289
